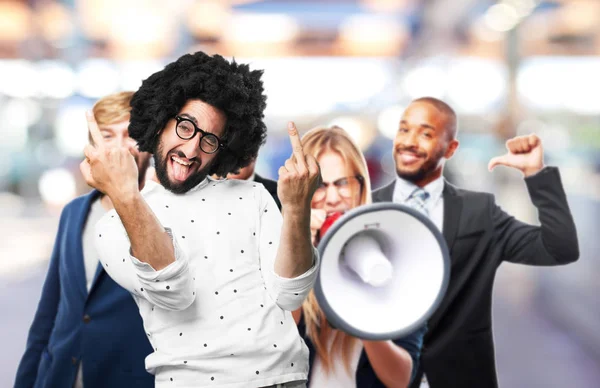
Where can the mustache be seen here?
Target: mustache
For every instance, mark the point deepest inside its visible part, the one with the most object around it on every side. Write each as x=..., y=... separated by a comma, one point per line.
x=413, y=150
x=181, y=154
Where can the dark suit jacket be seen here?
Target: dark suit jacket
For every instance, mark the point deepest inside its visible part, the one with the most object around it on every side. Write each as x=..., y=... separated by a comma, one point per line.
x=102, y=328
x=365, y=375
x=271, y=187
x=458, y=348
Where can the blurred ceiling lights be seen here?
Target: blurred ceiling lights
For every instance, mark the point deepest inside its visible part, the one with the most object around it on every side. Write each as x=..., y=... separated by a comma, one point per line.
x=56, y=79
x=389, y=119
x=372, y=35
x=506, y=14
x=55, y=21
x=70, y=128
x=207, y=19
x=15, y=21
x=582, y=15
x=97, y=77
x=135, y=29
x=57, y=187
x=359, y=129
x=263, y=34
x=388, y=5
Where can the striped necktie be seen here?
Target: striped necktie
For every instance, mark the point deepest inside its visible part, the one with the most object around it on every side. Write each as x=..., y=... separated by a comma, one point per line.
x=417, y=200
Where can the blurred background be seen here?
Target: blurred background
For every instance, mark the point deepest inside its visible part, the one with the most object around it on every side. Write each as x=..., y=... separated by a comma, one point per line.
x=508, y=67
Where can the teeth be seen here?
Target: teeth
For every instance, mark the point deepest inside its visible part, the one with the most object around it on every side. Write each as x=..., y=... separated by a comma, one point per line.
x=409, y=154
x=176, y=159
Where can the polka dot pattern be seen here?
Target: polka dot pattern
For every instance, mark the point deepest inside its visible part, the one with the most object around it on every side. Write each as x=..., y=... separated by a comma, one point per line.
x=226, y=246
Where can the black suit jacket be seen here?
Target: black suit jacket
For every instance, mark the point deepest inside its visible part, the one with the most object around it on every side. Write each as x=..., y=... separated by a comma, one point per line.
x=458, y=348
x=271, y=187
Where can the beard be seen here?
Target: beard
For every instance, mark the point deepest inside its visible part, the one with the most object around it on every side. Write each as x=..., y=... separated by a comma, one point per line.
x=161, y=161
x=428, y=167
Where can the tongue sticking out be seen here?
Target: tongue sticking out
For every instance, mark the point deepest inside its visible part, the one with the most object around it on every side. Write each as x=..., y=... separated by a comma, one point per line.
x=180, y=172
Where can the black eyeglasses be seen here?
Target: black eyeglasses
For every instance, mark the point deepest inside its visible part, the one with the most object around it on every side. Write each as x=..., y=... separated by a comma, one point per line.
x=346, y=187
x=186, y=129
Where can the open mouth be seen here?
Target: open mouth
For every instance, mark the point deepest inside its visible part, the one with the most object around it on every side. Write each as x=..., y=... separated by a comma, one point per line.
x=180, y=168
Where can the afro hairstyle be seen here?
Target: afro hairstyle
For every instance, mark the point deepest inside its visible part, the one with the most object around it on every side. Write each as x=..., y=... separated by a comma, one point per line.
x=228, y=86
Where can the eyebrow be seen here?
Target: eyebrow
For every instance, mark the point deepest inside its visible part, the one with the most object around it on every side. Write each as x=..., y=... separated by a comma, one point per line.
x=422, y=125
x=338, y=179
x=187, y=116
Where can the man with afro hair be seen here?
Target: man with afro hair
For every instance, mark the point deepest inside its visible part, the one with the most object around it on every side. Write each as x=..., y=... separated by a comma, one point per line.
x=212, y=264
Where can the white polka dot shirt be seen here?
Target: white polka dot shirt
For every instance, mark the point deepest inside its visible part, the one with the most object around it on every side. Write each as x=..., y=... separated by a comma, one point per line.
x=219, y=316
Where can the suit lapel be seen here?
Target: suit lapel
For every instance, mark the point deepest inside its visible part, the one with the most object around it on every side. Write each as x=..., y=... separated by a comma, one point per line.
x=100, y=272
x=385, y=194
x=76, y=247
x=452, y=209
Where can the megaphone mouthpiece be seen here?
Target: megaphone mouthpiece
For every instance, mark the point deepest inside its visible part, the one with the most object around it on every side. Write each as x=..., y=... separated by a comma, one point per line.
x=363, y=255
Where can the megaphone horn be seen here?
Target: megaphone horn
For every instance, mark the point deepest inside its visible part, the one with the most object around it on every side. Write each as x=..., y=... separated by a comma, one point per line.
x=384, y=270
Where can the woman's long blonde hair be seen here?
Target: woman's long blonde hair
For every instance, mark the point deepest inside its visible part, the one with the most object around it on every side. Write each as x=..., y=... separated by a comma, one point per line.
x=316, y=142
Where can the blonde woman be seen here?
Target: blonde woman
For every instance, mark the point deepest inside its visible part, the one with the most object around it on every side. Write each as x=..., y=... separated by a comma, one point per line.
x=337, y=359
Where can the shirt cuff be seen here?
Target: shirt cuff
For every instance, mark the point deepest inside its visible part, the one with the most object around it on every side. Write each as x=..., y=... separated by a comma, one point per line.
x=300, y=283
x=147, y=273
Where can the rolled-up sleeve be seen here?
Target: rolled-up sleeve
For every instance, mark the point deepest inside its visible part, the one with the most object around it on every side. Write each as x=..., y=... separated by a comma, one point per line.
x=171, y=288
x=288, y=293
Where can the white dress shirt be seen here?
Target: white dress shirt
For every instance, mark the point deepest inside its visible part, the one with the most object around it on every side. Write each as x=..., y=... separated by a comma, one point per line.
x=434, y=204
x=90, y=256
x=219, y=316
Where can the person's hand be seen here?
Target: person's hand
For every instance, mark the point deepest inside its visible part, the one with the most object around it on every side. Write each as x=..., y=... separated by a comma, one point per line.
x=111, y=170
x=525, y=153
x=299, y=177
x=317, y=218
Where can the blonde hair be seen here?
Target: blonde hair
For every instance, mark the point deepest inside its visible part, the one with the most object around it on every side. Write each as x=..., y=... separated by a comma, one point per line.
x=112, y=109
x=316, y=142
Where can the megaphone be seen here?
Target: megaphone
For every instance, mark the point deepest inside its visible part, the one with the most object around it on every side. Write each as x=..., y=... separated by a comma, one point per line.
x=384, y=271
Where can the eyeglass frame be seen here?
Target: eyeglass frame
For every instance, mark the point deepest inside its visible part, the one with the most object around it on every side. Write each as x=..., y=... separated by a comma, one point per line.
x=179, y=119
x=359, y=178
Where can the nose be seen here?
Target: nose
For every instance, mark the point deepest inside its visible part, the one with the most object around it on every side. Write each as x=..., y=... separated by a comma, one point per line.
x=408, y=140
x=191, y=148
x=411, y=139
x=332, y=197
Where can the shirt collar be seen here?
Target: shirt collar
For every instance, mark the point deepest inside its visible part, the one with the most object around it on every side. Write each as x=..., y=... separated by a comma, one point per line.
x=203, y=184
x=151, y=185
x=403, y=189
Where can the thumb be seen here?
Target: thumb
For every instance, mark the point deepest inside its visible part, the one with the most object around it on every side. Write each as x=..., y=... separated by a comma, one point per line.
x=498, y=161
